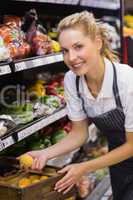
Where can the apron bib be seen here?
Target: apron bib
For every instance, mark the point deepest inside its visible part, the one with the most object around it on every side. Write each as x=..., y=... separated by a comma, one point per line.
x=111, y=124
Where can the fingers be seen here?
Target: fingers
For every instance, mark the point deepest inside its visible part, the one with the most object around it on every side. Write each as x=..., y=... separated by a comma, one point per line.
x=65, y=169
x=64, y=186
x=68, y=189
x=62, y=181
x=37, y=164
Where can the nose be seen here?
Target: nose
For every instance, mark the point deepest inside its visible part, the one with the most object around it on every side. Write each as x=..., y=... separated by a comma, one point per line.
x=72, y=56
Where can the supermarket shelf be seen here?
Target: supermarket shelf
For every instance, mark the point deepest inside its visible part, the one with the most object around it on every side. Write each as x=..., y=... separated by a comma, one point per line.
x=70, y=2
x=104, y=4
x=31, y=128
x=30, y=63
x=38, y=61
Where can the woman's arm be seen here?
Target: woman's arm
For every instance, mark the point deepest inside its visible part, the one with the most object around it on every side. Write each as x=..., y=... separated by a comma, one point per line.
x=72, y=141
x=115, y=156
x=75, y=171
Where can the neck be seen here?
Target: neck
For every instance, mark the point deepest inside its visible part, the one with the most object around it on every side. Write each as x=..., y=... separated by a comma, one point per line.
x=95, y=79
x=97, y=74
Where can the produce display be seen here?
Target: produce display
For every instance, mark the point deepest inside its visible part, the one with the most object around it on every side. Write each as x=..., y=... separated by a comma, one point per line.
x=24, y=37
x=44, y=97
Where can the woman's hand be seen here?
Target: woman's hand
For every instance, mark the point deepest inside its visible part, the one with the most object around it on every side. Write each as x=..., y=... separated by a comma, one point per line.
x=73, y=174
x=40, y=159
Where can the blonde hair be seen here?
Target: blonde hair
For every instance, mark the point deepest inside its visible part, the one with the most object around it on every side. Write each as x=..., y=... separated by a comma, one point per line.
x=92, y=28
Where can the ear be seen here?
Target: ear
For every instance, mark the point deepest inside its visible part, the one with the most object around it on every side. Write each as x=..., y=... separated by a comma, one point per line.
x=98, y=42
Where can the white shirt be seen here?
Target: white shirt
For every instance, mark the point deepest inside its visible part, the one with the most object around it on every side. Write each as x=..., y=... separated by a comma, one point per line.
x=105, y=100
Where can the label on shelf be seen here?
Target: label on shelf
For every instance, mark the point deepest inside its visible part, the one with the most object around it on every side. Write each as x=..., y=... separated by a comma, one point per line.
x=1, y=145
x=20, y=66
x=41, y=124
x=59, y=58
x=106, y=4
x=5, y=69
x=8, y=142
x=36, y=62
x=73, y=2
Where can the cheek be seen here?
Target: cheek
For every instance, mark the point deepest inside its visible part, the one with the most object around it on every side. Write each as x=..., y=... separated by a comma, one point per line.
x=66, y=61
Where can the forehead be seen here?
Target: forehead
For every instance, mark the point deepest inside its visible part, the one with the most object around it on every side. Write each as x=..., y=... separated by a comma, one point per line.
x=73, y=35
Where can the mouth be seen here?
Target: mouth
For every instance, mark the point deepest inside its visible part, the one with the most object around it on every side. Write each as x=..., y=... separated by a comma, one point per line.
x=78, y=65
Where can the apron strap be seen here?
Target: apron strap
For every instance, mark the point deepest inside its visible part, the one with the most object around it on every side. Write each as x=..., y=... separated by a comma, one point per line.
x=78, y=93
x=115, y=89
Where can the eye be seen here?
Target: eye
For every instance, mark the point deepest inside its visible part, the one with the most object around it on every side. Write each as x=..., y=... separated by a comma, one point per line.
x=64, y=51
x=78, y=46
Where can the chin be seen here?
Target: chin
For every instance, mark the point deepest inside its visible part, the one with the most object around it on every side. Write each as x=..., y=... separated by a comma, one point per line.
x=79, y=73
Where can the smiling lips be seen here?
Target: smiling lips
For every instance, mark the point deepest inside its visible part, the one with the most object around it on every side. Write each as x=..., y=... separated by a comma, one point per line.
x=77, y=65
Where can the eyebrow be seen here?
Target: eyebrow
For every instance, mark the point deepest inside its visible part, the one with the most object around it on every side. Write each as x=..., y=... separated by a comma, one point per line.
x=77, y=43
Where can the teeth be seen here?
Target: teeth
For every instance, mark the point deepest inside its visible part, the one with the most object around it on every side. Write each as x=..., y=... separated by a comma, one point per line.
x=77, y=65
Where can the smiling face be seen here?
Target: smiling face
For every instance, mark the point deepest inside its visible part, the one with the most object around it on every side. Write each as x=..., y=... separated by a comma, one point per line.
x=81, y=53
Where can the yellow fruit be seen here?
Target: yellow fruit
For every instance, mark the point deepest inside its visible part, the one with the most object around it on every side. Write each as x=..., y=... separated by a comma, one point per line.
x=56, y=46
x=44, y=178
x=35, y=181
x=26, y=161
x=37, y=89
x=24, y=182
x=34, y=177
x=70, y=198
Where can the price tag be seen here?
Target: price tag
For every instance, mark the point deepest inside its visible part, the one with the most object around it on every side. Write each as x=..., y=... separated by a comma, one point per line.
x=59, y=58
x=8, y=141
x=5, y=69
x=20, y=66
x=37, y=62
x=1, y=145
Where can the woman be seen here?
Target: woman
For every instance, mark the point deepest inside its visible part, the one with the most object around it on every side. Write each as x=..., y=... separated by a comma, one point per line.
x=100, y=90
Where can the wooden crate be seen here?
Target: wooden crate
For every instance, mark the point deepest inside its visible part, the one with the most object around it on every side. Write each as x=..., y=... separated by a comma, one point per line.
x=42, y=190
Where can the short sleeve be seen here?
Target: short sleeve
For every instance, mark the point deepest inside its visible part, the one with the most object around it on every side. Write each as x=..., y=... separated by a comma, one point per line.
x=73, y=102
x=129, y=108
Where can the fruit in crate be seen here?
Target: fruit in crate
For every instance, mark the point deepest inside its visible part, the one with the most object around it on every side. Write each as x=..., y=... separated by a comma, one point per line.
x=24, y=182
x=43, y=177
x=26, y=161
x=34, y=178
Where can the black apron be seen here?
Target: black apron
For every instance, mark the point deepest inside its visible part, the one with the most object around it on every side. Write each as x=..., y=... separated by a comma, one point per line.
x=111, y=124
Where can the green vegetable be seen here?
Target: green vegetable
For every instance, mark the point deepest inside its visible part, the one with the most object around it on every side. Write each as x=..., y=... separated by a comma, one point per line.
x=51, y=100
x=57, y=136
x=47, y=142
x=36, y=145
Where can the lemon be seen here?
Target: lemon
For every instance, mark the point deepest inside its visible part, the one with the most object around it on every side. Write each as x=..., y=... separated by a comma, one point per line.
x=44, y=178
x=24, y=182
x=26, y=161
x=56, y=46
x=35, y=181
